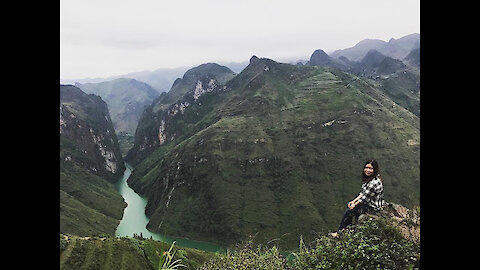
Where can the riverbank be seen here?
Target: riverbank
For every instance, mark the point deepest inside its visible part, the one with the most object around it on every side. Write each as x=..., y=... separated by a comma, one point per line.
x=134, y=220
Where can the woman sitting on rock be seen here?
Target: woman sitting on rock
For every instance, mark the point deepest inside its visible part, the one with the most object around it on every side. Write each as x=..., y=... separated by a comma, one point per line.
x=370, y=198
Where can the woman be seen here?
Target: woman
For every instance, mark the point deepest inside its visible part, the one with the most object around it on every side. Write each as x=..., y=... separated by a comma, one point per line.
x=370, y=198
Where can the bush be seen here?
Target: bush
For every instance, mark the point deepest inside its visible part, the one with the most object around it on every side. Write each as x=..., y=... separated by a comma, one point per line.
x=373, y=244
x=249, y=257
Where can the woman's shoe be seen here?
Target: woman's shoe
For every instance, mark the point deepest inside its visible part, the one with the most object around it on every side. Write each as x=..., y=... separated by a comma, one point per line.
x=334, y=234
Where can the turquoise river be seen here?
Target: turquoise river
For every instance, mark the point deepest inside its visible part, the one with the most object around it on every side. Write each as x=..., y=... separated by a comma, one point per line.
x=134, y=220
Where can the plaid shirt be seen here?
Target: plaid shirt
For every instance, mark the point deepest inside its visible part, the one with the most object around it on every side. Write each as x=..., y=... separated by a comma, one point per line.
x=372, y=193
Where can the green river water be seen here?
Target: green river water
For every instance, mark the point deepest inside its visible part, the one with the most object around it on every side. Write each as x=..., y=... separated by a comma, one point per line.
x=135, y=221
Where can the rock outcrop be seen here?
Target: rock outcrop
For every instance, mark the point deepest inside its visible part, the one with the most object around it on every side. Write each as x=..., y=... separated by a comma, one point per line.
x=85, y=120
x=405, y=220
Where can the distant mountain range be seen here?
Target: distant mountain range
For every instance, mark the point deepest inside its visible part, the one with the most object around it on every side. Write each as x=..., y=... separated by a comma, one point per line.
x=126, y=99
x=394, y=48
x=162, y=79
x=159, y=79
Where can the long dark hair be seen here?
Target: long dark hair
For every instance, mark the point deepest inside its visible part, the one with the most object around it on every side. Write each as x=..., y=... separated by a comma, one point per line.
x=376, y=171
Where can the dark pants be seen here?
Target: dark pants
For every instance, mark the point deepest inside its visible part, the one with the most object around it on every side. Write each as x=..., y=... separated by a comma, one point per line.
x=355, y=212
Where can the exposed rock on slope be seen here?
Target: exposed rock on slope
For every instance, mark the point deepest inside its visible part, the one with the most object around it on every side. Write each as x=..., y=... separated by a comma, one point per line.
x=85, y=120
x=153, y=127
x=90, y=161
x=405, y=220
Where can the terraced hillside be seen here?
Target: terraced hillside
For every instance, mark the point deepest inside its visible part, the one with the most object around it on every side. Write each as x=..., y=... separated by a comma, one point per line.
x=124, y=253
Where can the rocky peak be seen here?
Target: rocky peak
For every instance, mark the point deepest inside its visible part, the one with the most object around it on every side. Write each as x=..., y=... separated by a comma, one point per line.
x=319, y=57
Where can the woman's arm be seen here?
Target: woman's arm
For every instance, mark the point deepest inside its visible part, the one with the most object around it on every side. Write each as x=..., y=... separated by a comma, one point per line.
x=355, y=201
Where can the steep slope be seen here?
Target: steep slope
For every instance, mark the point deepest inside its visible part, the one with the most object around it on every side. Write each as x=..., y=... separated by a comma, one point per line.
x=398, y=80
x=195, y=82
x=413, y=58
x=90, y=161
x=277, y=151
x=377, y=64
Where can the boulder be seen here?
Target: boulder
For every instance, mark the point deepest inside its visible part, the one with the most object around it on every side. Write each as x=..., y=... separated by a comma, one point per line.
x=405, y=220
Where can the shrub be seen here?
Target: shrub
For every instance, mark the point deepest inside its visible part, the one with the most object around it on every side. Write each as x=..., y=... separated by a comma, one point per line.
x=373, y=244
x=249, y=257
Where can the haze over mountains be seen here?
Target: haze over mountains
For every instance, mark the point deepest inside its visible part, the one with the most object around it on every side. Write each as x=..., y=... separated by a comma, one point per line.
x=395, y=48
x=369, y=57
x=274, y=149
x=126, y=99
x=162, y=79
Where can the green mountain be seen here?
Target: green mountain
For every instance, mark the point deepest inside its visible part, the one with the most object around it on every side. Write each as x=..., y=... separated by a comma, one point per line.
x=275, y=152
x=90, y=161
x=186, y=90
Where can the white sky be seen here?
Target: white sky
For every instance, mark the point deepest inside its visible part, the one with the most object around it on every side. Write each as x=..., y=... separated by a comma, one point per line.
x=100, y=38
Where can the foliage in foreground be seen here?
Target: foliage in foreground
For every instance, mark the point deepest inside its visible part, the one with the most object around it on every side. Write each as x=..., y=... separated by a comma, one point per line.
x=248, y=257
x=373, y=244
x=166, y=261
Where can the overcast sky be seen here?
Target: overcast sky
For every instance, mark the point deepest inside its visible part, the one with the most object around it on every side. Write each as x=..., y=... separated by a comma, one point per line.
x=100, y=38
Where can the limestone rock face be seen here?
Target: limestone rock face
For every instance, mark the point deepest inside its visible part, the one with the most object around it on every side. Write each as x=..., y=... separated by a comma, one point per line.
x=85, y=122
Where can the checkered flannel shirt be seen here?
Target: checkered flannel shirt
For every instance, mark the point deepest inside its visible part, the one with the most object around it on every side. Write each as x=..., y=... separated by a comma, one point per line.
x=372, y=193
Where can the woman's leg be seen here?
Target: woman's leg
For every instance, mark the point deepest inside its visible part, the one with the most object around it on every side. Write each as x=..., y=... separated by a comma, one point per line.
x=346, y=219
x=350, y=213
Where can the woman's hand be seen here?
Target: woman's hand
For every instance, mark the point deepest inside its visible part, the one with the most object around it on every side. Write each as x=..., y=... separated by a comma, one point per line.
x=351, y=205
